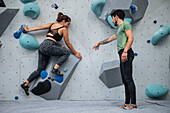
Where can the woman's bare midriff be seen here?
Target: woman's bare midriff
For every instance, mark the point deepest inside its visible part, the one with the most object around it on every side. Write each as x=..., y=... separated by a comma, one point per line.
x=51, y=39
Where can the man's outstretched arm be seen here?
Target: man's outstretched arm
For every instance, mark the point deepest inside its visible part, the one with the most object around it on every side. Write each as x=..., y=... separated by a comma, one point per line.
x=113, y=37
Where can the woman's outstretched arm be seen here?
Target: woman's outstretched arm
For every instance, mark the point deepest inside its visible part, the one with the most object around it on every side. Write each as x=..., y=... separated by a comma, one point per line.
x=46, y=26
x=69, y=45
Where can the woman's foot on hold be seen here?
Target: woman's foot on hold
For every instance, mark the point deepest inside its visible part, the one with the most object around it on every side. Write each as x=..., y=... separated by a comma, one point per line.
x=26, y=88
x=56, y=72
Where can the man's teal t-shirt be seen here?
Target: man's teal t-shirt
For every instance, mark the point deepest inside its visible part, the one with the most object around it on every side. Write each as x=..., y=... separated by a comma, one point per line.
x=121, y=35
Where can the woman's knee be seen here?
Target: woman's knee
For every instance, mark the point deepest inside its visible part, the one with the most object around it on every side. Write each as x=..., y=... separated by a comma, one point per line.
x=67, y=53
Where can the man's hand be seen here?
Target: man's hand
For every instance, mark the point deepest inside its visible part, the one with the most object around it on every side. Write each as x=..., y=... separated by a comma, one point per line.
x=96, y=47
x=124, y=57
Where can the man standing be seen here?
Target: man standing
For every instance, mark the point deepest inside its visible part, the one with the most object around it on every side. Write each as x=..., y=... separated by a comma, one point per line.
x=124, y=38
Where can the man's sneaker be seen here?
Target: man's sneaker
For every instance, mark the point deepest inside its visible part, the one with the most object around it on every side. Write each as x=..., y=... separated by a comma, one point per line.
x=130, y=107
x=26, y=88
x=123, y=106
x=56, y=72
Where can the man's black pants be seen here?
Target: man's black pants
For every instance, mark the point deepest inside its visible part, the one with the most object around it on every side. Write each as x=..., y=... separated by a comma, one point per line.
x=126, y=73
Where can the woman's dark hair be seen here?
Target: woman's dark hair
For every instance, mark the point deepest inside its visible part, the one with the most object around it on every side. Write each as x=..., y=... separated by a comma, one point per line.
x=120, y=13
x=62, y=17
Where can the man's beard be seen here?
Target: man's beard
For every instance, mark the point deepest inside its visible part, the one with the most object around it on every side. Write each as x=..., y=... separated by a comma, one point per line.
x=116, y=23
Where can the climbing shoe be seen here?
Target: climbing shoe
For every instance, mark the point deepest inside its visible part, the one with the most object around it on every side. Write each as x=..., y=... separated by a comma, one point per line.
x=56, y=72
x=26, y=88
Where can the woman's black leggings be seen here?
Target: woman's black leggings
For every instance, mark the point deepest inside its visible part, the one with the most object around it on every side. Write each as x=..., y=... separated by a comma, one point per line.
x=126, y=72
x=46, y=49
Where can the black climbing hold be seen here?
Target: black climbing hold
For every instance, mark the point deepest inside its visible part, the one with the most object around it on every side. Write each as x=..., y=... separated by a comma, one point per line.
x=42, y=87
x=54, y=6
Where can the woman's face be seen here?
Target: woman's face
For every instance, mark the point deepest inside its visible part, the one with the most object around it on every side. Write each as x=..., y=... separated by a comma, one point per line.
x=66, y=24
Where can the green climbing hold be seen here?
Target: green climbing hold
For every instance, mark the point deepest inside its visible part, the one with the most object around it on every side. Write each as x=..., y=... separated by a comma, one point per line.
x=97, y=6
x=32, y=10
x=27, y=1
x=28, y=42
x=156, y=91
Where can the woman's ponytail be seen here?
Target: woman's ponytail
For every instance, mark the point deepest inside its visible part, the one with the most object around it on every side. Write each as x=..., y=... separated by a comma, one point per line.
x=62, y=17
x=59, y=18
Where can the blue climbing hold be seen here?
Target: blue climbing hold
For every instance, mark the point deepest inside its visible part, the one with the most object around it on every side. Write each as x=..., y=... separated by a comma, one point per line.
x=161, y=33
x=128, y=20
x=148, y=41
x=17, y=34
x=155, y=21
x=28, y=42
x=110, y=19
x=156, y=91
x=59, y=79
x=43, y=74
x=135, y=54
x=133, y=8
x=16, y=97
x=27, y=1
x=97, y=6
x=32, y=10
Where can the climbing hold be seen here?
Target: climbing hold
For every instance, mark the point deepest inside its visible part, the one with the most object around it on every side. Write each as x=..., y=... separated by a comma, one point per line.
x=56, y=87
x=110, y=19
x=42, y=87
x=28, y=42
x=128, y=20
x=27, y=1
x=54, y=6
x=110, y=74
x=59, y=79
x=65, y=69
x=133, y=8
x=103, y=8
x=16, y=97
x=148, y=41
x=32, y=10
x=135, y=54
x=97, y=6
x=156, y=91
x=160, y=34
x=155, y=21
x=17, y=34
x=43, y=74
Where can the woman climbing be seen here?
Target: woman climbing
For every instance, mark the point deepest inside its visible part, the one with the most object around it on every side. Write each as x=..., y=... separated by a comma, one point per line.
x=51, y=47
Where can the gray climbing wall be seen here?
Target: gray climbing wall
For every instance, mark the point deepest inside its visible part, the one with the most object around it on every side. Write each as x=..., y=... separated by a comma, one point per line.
x=150, y=66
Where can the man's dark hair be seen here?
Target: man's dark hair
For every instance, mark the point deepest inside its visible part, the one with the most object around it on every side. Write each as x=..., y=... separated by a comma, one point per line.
x=120, y=13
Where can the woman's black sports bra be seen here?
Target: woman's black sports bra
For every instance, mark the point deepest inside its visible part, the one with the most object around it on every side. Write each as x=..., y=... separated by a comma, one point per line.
x=55, y=34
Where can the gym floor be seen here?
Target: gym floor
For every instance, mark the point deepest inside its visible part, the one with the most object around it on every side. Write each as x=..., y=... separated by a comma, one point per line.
x=59, y=106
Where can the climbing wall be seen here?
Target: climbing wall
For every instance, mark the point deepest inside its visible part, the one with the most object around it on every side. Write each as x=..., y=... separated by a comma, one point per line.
x=151, y=65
